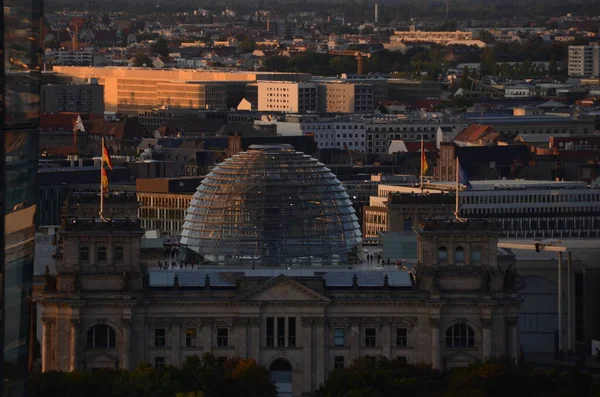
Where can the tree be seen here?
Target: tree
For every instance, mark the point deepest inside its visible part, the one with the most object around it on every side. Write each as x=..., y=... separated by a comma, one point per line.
x=161, y=47
x=464, y=78
x=247, y=45
x=142, y=60
x=276, y=63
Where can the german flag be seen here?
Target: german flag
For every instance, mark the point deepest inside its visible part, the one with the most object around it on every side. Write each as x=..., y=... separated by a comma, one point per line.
x=424, y=165
x=106, y=157
x=104, y=181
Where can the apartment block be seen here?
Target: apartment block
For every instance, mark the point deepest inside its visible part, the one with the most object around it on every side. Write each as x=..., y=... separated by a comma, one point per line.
x=584, y=60
x=76, y=98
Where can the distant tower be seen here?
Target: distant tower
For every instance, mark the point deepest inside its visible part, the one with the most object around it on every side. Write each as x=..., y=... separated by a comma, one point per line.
x=376, y=13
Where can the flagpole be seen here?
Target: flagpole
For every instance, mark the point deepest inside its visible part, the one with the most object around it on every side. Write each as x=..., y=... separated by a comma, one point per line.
x=456, y=187
x=101, y=184
x=422, y=156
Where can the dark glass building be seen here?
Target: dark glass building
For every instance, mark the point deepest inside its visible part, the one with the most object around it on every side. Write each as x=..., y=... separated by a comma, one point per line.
x=20, y=80
x=272, y=206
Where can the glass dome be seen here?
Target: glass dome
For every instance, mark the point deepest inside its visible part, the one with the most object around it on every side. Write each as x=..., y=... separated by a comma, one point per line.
x=272, y=206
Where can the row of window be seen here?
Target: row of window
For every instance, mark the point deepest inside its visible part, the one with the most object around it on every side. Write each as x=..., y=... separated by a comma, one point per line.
x=84, y=254
x=459, y=255
x=102, y=336
x=531, y=198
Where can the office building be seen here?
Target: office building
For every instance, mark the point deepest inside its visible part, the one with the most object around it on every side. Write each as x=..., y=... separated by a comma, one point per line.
x=409, y=91
x=20, y=80
x=164, y=201
x=63, y=57
x=520, y=208
x=584, y=60
x=129, y=90
x=287, y=97
x=442, y=38
x=346, y=98
x=87, y=99
x=344, y=133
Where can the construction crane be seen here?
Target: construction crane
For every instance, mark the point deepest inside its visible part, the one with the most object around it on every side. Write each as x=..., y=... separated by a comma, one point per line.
x=351, y=53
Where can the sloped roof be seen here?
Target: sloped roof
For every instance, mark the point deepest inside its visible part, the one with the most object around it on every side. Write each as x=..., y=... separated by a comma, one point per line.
x=473, y=133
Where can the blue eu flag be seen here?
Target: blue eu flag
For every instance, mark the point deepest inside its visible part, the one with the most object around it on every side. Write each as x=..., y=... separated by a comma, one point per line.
x=463, y=178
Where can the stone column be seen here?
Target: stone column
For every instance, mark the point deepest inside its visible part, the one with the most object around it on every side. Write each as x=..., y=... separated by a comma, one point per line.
x=467, y=248
x=126, y=347
x=285, y=332
x=275, y=332
x=176, y=342
x=513, y=336
x=74, y=358
x=307, y=359
x=387, y=338
x=354, y=339
x=47, y=343
x=241, y=329
x=436, y=353
x=320, y=350
x=207, y=329
x=486, y=324
x=93, y=258
x=255, y=338
x=109, y=254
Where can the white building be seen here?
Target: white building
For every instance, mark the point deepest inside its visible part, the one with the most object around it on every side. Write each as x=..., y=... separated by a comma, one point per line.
x=584, y=60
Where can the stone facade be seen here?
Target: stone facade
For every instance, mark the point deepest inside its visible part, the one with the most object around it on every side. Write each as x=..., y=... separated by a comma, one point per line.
x=459, y=307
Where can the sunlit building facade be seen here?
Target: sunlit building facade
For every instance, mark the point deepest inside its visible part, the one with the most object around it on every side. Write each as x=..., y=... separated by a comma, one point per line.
x=19, y=119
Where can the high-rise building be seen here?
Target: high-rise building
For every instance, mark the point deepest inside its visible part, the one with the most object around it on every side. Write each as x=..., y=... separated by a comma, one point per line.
x=584, y=60
x=20, y=80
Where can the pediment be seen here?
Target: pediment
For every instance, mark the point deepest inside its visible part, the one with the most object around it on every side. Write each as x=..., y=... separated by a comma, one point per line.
x=281, y=289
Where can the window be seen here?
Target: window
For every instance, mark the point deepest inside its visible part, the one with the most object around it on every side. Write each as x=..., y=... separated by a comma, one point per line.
x=338, y=362
x=339, y=337
x=270, y=331
x=84, y=254
x=370, y=337
x=222, y=337
x=280, y=331
x=159, y=362
x=475, y=256
x=160, y=337
x=101, y=336
x=118, y=253
x=191, y=337
x=459, y=255
x=291, y=331
x=408, y=223
x=101, y=254
x=442, y=254
x=401, y=337
x=460, y=335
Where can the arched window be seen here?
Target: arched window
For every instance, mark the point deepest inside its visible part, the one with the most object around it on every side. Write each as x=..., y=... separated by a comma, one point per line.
x=101, y=254
x=459, y=255
x=101, y=336
x=442, y=254
x=118, y=253
x=84, y=254
x=460, y=335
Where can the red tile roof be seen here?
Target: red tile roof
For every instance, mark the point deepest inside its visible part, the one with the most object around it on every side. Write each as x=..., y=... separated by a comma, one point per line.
x=474, y=132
